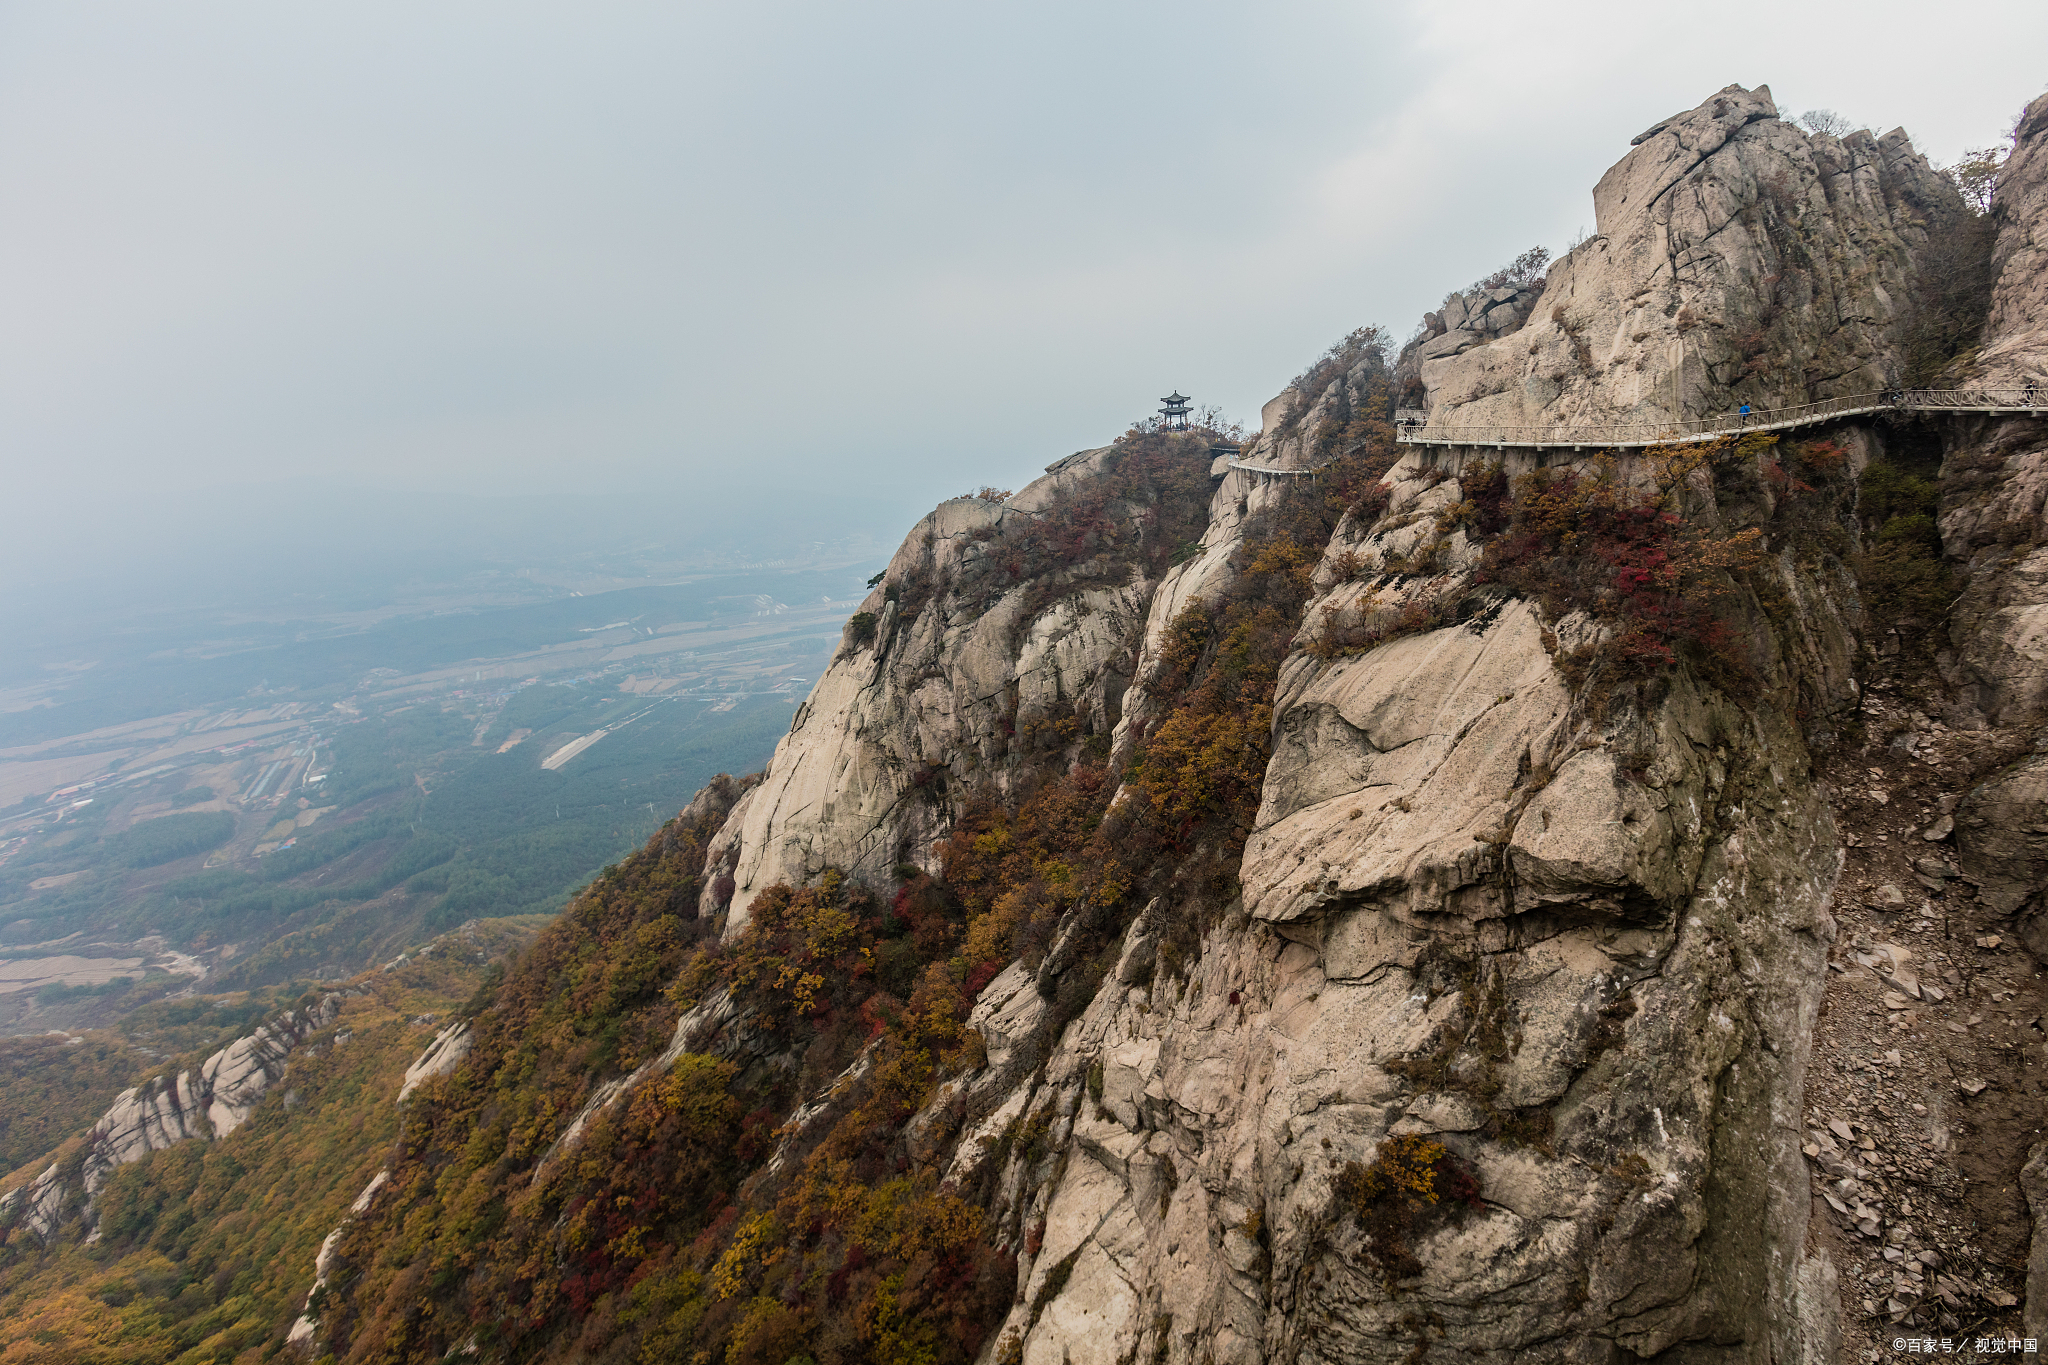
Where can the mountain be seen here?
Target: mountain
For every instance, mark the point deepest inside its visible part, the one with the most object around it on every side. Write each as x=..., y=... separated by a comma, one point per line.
x=1470, y=873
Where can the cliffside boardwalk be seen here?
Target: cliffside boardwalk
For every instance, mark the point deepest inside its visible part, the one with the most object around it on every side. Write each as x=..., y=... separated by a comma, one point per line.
x=1413, y=429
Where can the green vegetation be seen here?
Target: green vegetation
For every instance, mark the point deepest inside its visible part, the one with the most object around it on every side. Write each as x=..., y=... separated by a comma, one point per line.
x=56, y=1087
x=1904, y=580
x=207, y=1247
x=1942, y=315
x=191, y=796
x=168, y=837
x=51, y=995
x=431, y=829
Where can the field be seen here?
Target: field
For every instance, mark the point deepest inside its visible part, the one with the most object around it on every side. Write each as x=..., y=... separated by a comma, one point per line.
x=293, y=810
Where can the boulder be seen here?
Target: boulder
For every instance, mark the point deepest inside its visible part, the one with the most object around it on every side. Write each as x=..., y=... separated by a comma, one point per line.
x=37, y=1207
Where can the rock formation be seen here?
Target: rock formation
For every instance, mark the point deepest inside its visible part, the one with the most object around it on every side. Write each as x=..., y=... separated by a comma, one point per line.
x=1565, y=1000
x=442, y=1056
x=2015, y=352
x=208, y=1104
x=1735, y=259
x=955, y=662
x=305, y=1328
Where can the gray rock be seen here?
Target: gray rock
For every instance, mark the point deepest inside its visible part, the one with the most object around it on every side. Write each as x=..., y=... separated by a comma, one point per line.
x=1454, y=342
x=2034, y=1185
x=1681, y=236
x=2015, y=350
x=209, y=1105
x=37, y=1207
x=1997, y=850
x=448, y=1051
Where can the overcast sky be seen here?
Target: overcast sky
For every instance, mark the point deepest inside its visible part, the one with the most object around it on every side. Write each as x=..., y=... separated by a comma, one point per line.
x=703, y=257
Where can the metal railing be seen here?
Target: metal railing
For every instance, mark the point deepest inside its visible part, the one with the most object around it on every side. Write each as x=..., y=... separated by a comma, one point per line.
x=1625, y=434
x=1236, y=463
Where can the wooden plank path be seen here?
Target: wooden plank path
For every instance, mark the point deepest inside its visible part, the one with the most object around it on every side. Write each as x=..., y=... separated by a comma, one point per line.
x=1412, y=431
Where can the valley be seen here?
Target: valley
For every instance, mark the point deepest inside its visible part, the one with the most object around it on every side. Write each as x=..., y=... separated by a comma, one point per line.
x=362, y=781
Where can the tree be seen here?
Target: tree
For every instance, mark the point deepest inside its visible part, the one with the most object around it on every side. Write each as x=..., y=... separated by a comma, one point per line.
x=1976, y=176
x=1825, y=121
x=1525, y=269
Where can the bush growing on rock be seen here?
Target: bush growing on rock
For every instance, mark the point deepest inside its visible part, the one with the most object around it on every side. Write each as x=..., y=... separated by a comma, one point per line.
x=1414, y=1183
x=1589, y=541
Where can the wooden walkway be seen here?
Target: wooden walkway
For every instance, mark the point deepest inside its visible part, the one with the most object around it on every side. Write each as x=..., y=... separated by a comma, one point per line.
x=1416, y=431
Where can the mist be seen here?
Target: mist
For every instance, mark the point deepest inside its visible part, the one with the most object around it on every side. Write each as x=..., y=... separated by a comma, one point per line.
x=386, y=292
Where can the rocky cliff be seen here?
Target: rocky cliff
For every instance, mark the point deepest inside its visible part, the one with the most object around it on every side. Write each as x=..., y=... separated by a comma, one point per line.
x=1735, y=258
x=1357, y=900
x=202, y=1104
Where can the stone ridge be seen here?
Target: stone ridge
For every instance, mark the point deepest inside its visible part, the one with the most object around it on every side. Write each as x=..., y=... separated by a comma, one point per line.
x=929, y=707
x=2015, y=351
x=1725, y=235
x=164, y=1111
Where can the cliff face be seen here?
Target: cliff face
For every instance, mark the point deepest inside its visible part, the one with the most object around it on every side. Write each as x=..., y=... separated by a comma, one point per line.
x=2016, y=337
x=1735, y=259
x=1597, y=988
x=1002, y=632
x=1454, y=899
x=203, y=1104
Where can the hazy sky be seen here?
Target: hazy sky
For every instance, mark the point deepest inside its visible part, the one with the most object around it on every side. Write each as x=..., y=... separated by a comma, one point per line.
x=853, y=257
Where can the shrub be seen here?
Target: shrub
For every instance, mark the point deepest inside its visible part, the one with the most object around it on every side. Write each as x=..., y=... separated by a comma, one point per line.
x=1580, y=541
x=860, y=629
x=1361, y=343
x=1948, y=299
x=1413, y=1183
x=1523, y=272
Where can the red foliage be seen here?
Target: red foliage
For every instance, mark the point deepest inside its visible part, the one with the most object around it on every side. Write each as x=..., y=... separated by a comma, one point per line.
x=1581, y=542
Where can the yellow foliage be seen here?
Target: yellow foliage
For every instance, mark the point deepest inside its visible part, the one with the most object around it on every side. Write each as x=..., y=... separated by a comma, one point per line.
x=1196, y=761
x=898, y=1338
x=1405, y=1165
x=1286, y=558
x=988, y=935
x=729, y=1276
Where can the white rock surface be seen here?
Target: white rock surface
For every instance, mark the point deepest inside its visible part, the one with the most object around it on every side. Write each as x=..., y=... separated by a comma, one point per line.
x=1719, y=221
x=448, y=1051
x=210, y=1105
x=304, y=1335
x=37, y=1206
